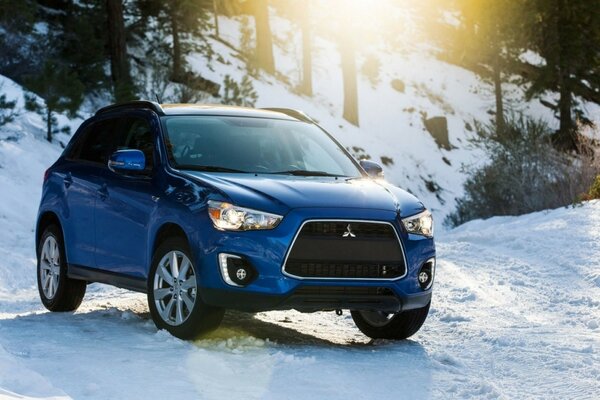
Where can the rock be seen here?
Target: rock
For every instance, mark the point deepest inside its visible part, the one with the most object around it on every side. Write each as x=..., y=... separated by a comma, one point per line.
x=398, y=85
x=387, y=161
x=438, y=129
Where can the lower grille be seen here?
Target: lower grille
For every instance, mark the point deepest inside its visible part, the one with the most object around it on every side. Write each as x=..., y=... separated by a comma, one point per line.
x=315, y=298
x=346, y=250
x=343, y=291
x=345, y=270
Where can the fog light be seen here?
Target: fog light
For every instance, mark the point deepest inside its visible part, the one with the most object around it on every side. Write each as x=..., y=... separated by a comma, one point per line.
x=427, y=274
x=235, y=270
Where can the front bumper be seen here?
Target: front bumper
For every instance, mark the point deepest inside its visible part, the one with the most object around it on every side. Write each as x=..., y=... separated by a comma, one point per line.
x=273, y=290
x=301, y=301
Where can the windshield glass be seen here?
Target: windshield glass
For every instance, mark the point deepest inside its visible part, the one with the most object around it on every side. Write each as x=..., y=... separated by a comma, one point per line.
x=254, y=145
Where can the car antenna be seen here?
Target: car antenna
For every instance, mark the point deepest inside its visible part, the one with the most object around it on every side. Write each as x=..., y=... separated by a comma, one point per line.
x=157, y=98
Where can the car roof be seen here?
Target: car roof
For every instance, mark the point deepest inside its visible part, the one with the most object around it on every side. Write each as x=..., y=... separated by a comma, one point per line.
x=207, y=109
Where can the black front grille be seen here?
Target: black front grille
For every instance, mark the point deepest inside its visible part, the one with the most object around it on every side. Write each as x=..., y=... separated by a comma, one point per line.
x=346, y=250
x=337, y=229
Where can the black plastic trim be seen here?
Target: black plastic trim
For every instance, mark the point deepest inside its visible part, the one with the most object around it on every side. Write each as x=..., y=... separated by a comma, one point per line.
x=254, y=302
x=133, y=105
x=110, y=278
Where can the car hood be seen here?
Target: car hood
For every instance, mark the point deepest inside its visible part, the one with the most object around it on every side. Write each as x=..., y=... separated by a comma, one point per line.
x=280, y=193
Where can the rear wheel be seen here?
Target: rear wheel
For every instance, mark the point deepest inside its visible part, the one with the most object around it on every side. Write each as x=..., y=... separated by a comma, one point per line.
x=57, y=291
x=173, y=298
x=396, y=326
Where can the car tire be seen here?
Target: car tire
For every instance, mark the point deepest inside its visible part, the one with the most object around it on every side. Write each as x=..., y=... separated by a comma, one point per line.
x=399, y=326
x=57, y=291
x=175, y=304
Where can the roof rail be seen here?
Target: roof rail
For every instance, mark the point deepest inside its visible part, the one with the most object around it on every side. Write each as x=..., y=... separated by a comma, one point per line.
x=300, y=115
x=133, y=105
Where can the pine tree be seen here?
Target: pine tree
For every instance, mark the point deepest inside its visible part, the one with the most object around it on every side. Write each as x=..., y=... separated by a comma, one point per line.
x=179, y=19
x=490, y=39
x=566, y=34
x=16, y=34
x=59, y=88
x=17, y=15
x=123, y=87
x=81, y=43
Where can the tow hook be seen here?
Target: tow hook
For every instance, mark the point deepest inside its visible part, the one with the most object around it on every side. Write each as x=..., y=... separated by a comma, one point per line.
x=338, y=312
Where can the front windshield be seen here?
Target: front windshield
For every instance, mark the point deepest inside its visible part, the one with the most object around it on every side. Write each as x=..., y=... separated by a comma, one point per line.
x=254, y=145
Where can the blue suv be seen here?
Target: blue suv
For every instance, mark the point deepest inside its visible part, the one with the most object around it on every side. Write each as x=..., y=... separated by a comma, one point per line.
x=207, y=208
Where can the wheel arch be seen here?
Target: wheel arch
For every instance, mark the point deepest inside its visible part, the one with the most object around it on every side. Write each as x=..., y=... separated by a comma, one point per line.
x=46, y=219
x=165, y=231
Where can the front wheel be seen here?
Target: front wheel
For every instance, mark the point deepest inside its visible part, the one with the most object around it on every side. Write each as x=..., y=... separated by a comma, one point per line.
x=173, y=298
x=395, y=326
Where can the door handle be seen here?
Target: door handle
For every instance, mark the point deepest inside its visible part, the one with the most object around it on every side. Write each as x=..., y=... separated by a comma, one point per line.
x=68, y=181
x=103, y=192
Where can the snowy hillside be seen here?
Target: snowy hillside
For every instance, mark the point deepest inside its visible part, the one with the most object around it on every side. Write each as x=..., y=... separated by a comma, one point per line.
x=392, y=128
x=516, y=314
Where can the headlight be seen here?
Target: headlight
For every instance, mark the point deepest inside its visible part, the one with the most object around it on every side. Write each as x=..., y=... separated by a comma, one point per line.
x=420, y=224
x=228, y=217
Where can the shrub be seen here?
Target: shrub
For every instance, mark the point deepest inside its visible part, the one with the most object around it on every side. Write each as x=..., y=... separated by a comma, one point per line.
x=7, y=109
x=594, y=192
x=525, y=173
x=371, y=69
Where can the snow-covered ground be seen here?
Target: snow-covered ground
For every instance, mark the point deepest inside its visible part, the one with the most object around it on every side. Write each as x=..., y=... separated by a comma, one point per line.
x=516, y=314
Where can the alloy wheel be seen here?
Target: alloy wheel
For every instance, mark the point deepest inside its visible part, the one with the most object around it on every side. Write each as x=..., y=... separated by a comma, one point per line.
x=175, y=288
x=50, y=267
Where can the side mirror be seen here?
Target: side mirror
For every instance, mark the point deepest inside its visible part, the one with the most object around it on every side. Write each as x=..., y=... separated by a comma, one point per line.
x=124, y=161
x=372, y=169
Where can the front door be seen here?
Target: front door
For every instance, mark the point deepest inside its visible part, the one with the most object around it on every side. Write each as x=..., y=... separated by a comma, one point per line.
x=126, y=203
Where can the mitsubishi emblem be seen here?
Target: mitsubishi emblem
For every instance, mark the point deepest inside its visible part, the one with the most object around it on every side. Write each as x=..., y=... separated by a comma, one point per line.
x=348, y=232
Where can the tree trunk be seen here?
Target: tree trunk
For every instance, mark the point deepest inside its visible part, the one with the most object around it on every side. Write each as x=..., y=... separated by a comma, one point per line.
x=497, y=76
x=119, y=63
x=565, y=103
x=216, y=16
x=349, y=77
x=48, y=124
x=565, y=137
x=177, y=72
x=306, y=85
x=264, y=40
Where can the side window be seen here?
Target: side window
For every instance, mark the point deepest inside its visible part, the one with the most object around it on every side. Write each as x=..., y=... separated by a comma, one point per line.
x=136, y=133
x=74, y=148
x=99, y=143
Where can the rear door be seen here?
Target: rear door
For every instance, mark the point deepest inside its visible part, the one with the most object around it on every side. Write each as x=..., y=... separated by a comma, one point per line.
x=124, y=210
x=82, y=181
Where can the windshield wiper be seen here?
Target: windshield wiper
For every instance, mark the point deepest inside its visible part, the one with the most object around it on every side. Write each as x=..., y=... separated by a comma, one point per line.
x=209, y=168
x=303, y=172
